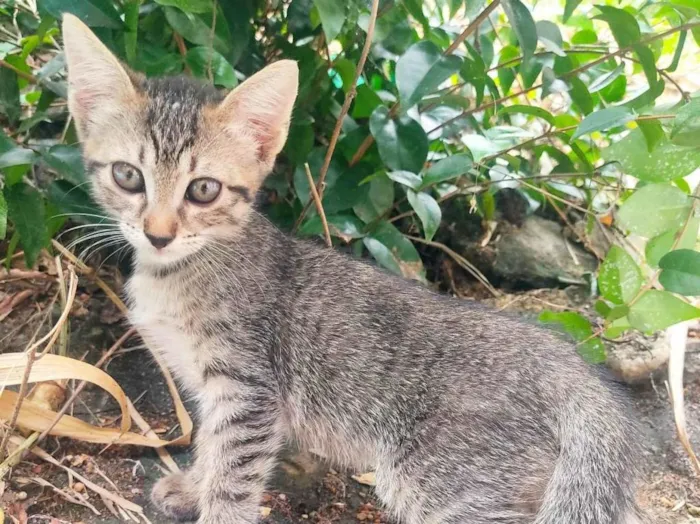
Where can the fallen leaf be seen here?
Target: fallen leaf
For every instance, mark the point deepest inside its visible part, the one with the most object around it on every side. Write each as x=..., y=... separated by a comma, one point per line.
x=368, y=479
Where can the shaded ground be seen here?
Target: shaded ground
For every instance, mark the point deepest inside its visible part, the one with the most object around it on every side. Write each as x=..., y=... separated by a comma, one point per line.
x=304, y=489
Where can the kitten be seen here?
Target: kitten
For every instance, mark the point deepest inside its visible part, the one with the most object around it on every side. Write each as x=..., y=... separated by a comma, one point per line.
x=466, y=415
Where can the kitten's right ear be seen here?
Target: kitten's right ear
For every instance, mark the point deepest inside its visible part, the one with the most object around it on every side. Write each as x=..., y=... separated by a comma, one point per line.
x=96, y=79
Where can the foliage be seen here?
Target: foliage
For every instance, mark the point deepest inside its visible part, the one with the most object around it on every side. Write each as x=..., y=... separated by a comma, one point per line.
x=457, y=100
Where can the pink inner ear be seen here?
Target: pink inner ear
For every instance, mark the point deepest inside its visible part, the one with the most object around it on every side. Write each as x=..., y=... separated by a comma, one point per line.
x=84, y=100
x=263, y=137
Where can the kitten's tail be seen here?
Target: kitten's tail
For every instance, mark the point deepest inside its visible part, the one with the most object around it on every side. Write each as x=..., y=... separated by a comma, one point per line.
x=594, y=478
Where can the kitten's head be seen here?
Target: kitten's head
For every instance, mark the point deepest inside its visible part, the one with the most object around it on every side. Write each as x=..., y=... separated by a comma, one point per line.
x=176, y=163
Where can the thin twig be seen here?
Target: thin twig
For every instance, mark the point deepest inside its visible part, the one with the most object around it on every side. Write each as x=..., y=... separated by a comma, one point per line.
x=31, y=355
x=352, y=91
x=463, y=262
x=22, y=74
x=180, y=42
x=573, y=72
x=472, y=27
x=319, y=205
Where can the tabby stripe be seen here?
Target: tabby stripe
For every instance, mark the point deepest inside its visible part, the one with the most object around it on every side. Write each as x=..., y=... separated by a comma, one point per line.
x=255, y=420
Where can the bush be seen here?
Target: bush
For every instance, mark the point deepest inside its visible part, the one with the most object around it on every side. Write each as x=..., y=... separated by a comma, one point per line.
x=457, y=100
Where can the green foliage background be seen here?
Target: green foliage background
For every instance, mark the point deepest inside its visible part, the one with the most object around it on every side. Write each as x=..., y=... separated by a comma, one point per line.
x=458, y=99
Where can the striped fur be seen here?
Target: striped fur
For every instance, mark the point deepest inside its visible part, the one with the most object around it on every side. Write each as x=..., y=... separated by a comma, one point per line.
x=468, y=416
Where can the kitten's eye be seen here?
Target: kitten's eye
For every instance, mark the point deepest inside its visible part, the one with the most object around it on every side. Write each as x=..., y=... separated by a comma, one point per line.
x=128, y=177
x=203, y=190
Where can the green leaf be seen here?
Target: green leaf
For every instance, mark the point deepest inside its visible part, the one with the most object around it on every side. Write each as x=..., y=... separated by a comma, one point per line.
x=17, y=156
x=654, y=209
x=569, y=8
x=131, y=18
x=648, y=60
x=427, y=209
x=620, y=277
x=25, y=208
x=666, y=162
x=196, y=29
x=421, y=70
x=9, y=95
x=680, y=272
x=593, y=350
x=332, y=13
x=686, y=126
x=447, y=169
x=616, y=328
x=550, y=36
x=345, y=226
x=623, y=25
x=238, y=15
x=523, y=25
x=603, y=120
x=203, y=59
x=3, y=217
x=658, y=246
x=653, y=133
x=73, y=199
x=528, y=110
x=66, y=161
x=405, y=178
x=347, y=190
x=378, y=201
x=580, y=95
x=415, y=7
x=395, y=252
x=402, y=143
x=366, y=101
x=678, y=53
x=605, y=80
x=657, y=310
x=188, y=6
x=95, y=13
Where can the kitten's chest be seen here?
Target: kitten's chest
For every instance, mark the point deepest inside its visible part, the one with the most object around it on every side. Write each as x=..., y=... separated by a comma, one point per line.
x=161, y=311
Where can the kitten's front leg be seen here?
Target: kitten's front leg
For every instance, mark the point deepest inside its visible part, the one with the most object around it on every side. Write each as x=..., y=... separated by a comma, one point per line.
x=237, y=449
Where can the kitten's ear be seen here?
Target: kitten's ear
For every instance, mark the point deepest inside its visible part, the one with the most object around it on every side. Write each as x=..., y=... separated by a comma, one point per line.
x=96, y=79
x=263, y=106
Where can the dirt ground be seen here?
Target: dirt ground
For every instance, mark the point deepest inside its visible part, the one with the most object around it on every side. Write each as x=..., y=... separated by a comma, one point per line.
x=305, y=489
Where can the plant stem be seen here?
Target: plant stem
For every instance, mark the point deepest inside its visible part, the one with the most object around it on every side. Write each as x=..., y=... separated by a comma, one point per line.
x=352, y=91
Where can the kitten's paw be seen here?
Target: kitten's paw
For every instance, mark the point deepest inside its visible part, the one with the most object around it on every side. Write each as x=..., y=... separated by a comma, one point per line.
x=175, y=496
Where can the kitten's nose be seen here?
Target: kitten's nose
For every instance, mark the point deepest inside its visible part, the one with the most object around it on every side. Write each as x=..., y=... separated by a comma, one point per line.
x=159, y=242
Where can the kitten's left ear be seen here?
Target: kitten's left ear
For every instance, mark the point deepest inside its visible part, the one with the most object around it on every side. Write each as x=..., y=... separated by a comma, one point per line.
x=96, y=79
x=263, y=106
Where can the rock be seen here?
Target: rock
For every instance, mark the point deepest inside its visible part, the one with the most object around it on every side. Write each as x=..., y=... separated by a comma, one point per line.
x=638, y=358
x=536, y=254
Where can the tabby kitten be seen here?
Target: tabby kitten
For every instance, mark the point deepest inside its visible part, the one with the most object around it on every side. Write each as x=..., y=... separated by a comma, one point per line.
x=466, y=415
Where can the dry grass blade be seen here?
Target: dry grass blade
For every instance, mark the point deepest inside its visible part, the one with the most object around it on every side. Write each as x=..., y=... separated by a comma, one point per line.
x=120, y=501
x=183, y=416
x=678, y=336
x=63, y=493
x=56, y=367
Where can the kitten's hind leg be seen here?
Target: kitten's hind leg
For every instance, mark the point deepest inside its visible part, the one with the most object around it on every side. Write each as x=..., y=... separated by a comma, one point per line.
x=176, y=496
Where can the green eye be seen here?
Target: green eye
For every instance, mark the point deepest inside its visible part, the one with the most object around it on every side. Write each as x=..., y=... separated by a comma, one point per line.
x=128, y=177
x=203, y=190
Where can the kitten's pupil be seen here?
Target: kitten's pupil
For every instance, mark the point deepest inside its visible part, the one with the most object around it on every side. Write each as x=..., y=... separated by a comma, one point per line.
x=203, y=190
x=128, y=177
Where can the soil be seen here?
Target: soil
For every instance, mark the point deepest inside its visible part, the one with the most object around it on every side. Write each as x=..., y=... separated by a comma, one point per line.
x=304, y=489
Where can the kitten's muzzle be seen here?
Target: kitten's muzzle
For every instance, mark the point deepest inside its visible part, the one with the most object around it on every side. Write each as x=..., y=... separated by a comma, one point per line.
x=159, y=242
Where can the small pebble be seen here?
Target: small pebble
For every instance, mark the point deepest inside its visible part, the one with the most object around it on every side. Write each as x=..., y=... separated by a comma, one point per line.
x=79, y=487
x=21, y=495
